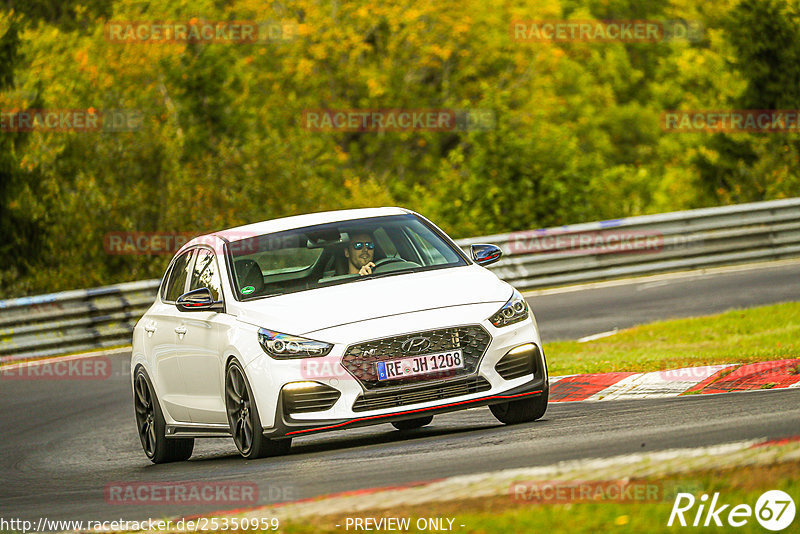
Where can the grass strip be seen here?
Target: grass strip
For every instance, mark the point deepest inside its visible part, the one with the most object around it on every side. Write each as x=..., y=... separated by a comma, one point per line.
x=737, y=336
x=512, y=513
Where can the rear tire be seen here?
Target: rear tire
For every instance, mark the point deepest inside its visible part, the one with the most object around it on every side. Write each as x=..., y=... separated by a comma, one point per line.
x=152, y=427
x=521, y=411
x=243, y=418
x=411, y=424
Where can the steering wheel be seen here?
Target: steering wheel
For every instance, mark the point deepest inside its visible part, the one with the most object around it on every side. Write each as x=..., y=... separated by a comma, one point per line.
x=389, y=260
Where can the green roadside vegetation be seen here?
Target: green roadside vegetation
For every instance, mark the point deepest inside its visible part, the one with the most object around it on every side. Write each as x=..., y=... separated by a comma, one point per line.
x=738, y=336
x=216, y=134
x=510, y=514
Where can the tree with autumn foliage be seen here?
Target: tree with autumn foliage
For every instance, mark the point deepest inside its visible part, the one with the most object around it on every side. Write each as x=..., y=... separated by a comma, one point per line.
x=576, y=134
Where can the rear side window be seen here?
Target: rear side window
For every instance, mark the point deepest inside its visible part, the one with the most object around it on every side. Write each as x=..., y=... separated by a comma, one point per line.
x=205, y=273
x=174, y=287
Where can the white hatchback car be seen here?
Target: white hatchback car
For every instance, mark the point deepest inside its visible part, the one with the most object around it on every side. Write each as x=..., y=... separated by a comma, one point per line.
x=329, y=321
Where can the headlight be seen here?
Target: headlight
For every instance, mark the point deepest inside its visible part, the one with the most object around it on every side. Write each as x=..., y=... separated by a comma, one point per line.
x=284, y=346
x=514, y=311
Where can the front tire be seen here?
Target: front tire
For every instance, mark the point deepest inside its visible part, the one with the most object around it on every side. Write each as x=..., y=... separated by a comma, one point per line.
x=243, y=418
x=411, y=424
x=152, y=427
x=521, y=411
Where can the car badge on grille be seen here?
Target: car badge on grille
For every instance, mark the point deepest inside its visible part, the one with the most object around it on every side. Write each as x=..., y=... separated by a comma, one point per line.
x=416, y=344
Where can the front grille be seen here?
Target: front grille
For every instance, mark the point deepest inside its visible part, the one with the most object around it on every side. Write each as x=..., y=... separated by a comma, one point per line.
x=513, y=366
x=420, y=393
x=360, y=359
x=316, y=399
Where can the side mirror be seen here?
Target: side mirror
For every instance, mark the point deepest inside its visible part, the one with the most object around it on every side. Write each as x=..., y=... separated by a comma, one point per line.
x=485, y=254
x=199, y=300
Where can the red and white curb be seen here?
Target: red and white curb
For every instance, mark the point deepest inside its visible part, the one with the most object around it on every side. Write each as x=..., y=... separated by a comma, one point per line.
x=779, y=374
x=722, y=378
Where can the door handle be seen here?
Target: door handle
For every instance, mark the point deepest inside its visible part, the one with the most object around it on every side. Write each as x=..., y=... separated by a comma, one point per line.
x=150, y=327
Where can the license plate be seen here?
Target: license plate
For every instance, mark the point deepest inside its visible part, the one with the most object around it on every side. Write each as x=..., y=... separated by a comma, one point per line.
x=420, y=365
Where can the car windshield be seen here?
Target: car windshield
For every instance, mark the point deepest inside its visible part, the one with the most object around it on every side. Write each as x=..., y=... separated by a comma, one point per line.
x=336, y=253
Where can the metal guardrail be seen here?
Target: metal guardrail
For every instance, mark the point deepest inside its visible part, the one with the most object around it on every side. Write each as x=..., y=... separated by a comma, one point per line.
x=648, y=244
x=74, y=321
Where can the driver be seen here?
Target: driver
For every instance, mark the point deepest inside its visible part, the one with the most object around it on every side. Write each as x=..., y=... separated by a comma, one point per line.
x=359, y=254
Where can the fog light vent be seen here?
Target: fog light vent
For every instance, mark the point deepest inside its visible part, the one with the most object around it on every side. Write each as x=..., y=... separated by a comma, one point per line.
x=309, y=397
x=520, y=361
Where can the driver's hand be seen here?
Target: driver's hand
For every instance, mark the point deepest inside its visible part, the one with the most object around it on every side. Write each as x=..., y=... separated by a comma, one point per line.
x=367, y=269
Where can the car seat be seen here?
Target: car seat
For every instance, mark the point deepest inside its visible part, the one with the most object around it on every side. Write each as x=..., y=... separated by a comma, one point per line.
x=249, y=274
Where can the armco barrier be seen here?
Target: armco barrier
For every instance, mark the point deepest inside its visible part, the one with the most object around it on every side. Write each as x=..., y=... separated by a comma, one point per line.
x=74, y=321
x=681, y=240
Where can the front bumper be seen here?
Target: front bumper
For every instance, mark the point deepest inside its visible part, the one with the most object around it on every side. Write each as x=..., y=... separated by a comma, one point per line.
x=357, y=404
x=285, y=426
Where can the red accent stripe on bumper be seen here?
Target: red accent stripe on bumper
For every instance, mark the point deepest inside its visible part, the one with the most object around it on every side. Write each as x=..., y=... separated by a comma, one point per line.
x=418, y=410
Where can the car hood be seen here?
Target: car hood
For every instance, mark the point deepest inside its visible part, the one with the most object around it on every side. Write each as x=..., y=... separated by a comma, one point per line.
x=318, y=309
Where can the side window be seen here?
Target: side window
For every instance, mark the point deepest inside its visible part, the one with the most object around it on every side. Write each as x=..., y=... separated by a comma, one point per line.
x=177, y=277
x=205, y=273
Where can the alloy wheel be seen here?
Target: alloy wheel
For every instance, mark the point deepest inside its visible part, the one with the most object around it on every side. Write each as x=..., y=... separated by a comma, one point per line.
x=239, y=406
x=145, y=416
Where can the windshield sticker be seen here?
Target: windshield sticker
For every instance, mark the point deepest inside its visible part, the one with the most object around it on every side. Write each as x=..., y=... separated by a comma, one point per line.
x=247, y=290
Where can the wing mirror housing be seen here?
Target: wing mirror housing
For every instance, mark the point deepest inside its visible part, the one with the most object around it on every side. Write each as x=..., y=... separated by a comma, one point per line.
x=199, y=299
x=485, y=254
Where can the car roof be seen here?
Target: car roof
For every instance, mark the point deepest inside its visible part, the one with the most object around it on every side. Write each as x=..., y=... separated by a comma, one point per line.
x=300, y=221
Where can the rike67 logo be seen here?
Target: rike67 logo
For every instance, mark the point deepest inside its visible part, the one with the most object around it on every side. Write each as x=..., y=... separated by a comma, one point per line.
x=774, y=510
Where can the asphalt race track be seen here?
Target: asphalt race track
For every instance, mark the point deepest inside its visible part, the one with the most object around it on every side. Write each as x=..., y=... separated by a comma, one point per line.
x=572, y=315
x=64, y=441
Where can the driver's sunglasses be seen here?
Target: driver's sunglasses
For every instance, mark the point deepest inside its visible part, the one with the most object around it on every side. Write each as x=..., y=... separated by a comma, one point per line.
x=358, y=245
